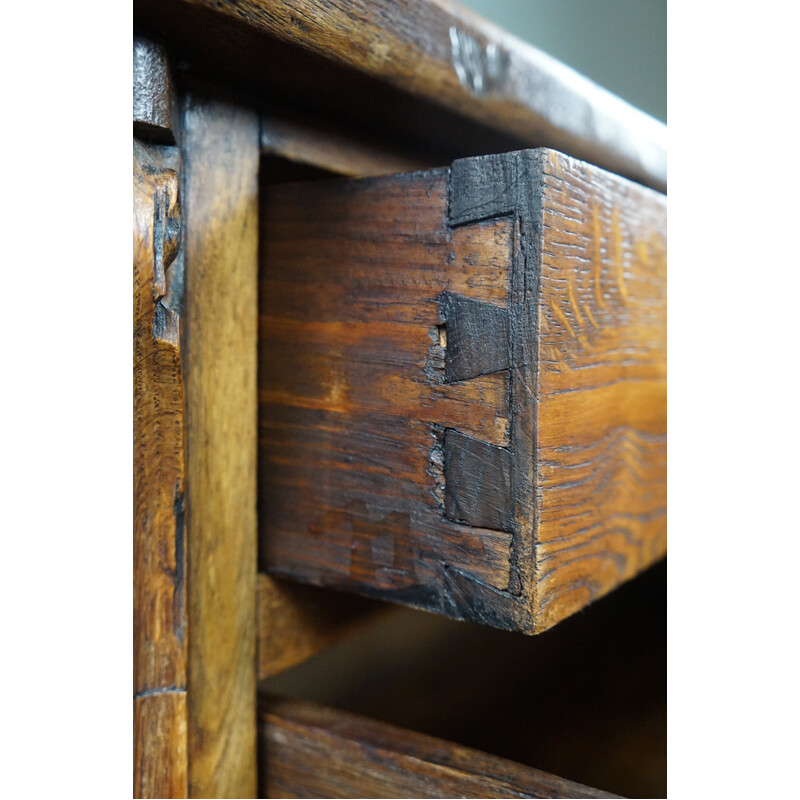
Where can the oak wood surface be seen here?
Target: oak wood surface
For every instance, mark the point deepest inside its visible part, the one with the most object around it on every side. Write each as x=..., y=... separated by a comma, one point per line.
x=435, y=52
x=390, y=463
x=601, y=443
x=296, y=621
x=352, y=403
x=311, y=751
x=221, y=244
x=159, y=591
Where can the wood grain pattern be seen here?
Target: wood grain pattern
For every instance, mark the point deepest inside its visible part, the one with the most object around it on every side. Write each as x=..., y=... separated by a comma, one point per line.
x=221, y=150
x=353, y=404
x=512, y=498
x=476, y=336
x=296, y=621
x=601, y=444
x=159, y=612
x=310, y=751
x=435, y=51
x=160, y=763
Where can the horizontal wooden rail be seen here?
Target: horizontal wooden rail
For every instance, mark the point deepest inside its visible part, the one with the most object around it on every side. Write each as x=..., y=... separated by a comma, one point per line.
x=433, y=50
x=310, y=751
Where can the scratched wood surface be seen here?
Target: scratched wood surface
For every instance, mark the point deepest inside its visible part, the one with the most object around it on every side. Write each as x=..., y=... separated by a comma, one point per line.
x=159, y=592
x=435, y=55
x=312, y=751
x=220, y=143
x=435, y=422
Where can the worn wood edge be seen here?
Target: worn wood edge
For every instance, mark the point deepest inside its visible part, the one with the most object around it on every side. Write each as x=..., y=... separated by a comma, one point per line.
x=220, y=142
x=479, y=188
x=360, y=757
x=160, y=626
x=438, y=50
x=511, y=184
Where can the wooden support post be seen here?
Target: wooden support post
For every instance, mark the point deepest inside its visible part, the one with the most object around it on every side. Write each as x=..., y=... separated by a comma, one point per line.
x=221, y=147
x=159, y=644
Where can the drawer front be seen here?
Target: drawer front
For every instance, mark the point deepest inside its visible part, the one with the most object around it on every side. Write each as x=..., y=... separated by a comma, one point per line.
x=462, y=386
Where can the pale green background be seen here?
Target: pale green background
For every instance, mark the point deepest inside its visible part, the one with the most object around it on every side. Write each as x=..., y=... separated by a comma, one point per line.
x=620, y=44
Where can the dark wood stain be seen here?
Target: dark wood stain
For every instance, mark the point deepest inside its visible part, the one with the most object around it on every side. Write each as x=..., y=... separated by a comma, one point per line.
x=476, y=337
x=477, y=482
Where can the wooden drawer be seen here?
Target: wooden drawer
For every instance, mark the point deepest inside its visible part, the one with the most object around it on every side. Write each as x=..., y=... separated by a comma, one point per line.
x=462, y=386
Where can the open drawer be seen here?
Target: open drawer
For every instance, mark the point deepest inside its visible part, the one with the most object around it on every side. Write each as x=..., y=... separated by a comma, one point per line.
x=462, y=386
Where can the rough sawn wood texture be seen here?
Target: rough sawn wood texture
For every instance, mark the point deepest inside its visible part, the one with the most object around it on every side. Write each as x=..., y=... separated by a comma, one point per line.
x=462, y=386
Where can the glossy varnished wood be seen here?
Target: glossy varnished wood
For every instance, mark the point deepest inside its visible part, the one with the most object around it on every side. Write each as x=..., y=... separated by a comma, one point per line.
x=221, y=148
x=310, y=751
x=436, y=56
x=462, y=384
x=159, y=589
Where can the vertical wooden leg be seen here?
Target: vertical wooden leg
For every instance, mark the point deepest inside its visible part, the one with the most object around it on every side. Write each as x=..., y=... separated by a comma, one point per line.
x=159, y=679
x=221, y=150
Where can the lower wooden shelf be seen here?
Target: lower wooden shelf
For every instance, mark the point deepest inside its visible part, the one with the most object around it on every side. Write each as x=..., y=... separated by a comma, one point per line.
x=586, y=700
x=312, y=751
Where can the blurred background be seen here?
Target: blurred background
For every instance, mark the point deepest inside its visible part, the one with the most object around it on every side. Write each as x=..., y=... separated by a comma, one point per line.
x=620, y=44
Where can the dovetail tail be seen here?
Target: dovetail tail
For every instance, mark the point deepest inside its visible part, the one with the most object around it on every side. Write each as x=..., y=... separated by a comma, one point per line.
x=475, y=336
x=477, y=478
